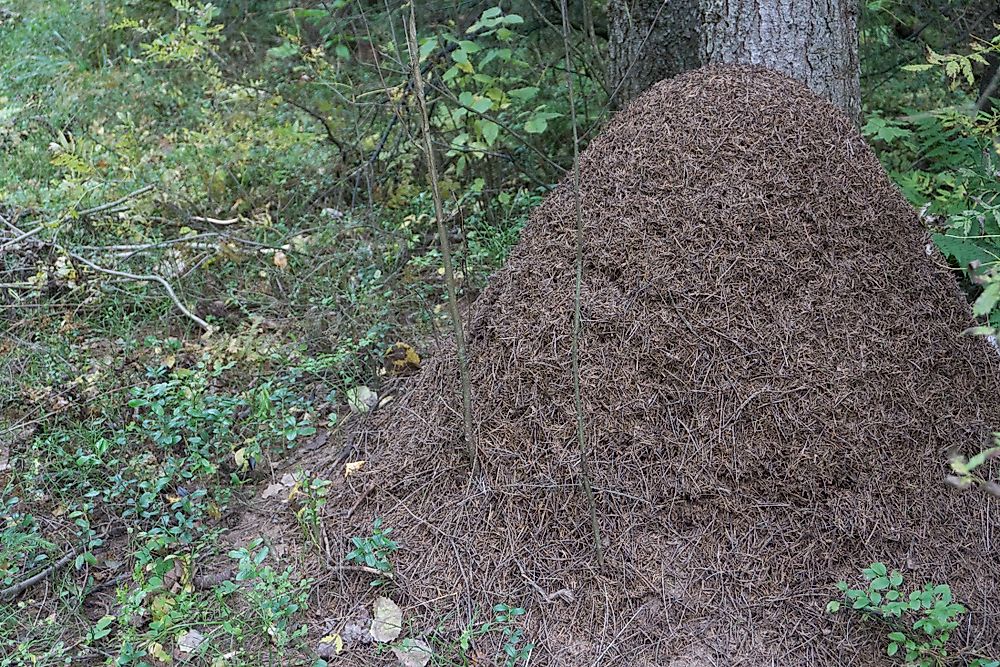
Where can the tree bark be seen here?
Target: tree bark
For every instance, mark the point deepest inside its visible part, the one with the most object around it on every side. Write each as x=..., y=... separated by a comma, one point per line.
x=815, y=41
x=649, y=40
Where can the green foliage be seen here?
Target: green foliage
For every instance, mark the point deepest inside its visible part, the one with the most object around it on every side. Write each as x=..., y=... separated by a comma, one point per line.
x=514, y=649
x=275, y=598
x=968, y=472
x=940, y=148
x=374, y=551
x=921, y=621
x=310, y=492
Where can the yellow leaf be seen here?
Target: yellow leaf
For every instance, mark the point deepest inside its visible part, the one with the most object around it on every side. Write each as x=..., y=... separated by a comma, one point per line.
x=353, y=467
x=336, y=640
x=401, y=358
x=161, y=606
x=157, y=651
x=280, y=260
x=241, y=457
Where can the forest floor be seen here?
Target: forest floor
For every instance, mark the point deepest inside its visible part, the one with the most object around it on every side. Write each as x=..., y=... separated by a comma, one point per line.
x=253, y=458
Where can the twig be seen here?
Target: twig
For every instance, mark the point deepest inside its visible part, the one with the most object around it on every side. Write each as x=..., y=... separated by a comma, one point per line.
x=15, y=590
x=147, y=278
x=104, y=207
x=463, y=362
x=22, y=236
x=361, y=568
x=361, y=499
x=215, y=221
x=580, y=427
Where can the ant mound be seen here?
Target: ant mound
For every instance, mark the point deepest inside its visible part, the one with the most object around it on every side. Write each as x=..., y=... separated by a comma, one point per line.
x=772, y=376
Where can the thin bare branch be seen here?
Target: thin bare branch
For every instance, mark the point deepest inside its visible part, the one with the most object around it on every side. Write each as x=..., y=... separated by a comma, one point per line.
x=580, y=425
x=147, y=278
x=449, y=272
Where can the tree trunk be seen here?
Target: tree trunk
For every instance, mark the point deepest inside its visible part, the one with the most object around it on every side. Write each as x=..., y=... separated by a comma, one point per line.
x=815, y=41
x=649, y=40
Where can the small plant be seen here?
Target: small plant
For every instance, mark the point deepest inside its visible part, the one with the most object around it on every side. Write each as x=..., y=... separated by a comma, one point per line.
x=274, y=598
x=921, y=621
x=965, y=470
x=310, y=493
x=374, y=551
x=515, y=650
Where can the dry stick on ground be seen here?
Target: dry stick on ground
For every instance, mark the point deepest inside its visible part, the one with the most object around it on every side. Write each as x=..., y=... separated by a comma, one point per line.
x=123, y=274
x=580, y=428
x=17, y=589
x=112, y=204
x=147, y=278
x=449, y=273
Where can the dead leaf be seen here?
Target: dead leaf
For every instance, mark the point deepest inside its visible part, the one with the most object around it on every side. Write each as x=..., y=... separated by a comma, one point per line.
x=280, y=260
x=330, y=646
x=412, y=653
x=272, y=490
x=387, y=620
x=401, y=359
x=157, y=651
x=240, y=456
x=361, y=399
x=353, y=467
x=190, y=641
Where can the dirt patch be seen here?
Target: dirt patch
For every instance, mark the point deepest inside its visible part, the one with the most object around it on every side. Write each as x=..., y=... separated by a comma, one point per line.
x=772, y=376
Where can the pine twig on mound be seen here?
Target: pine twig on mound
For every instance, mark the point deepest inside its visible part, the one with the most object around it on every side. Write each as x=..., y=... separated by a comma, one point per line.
x=449, y=272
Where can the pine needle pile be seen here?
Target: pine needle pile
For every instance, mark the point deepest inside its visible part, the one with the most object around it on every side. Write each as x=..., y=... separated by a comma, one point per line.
x=772, y=374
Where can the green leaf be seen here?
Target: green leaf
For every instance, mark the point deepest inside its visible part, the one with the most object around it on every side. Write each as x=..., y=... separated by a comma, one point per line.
x=833, y=606
x=427, y=47
x=987, y=300
x=897, y=636
x=539, y=122
x=923, y=67
x=490, y=131
x=892, y=649
x=286, y=50
x=482, y=105
x=524, y=94
x=880, y=583
x=879, y=569
x=535, y=125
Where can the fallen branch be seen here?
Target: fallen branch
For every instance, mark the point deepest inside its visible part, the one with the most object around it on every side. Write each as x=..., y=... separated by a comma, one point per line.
x=146, y=278
x=110, y=205
x=21, y=237
x=13, y=591
x=215, y=221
